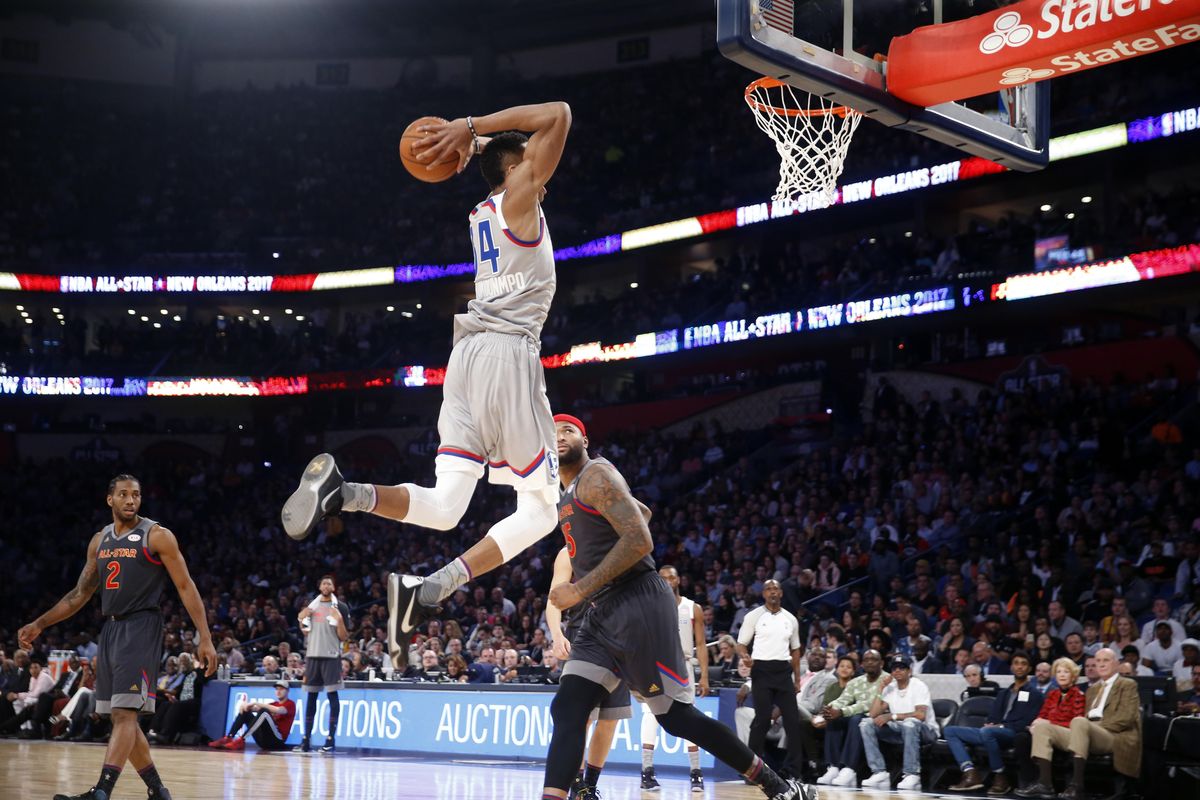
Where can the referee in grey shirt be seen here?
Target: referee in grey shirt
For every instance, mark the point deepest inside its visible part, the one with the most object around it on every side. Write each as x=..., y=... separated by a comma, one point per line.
x=774, y=671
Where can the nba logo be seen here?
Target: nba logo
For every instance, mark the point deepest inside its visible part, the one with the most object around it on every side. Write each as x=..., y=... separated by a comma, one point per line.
x=552, y=463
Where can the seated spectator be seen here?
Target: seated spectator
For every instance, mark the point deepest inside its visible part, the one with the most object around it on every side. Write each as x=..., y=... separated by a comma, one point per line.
x=79, y=708
x=953, y=638
x=924, y=663
x=168, y=688
x=1014, y=708
x=1091, y=676
x=809, y=701
x=976, y=685
x=294, y=671
x=743, y=715
x=843, y=739
x=1162, y=613
x=1062, y=703
x=233, y=656
x=1043, y=677
x=1047, y=648
x=1161, y=654
x=1176, y=736
x=456, y=669
x=915, y=631
x=270, y=668
x=184, y=712
x=429, y=670
x=985, y=658
x=1131, y=655
x=1186, y=666
x=1113, y=724
x=901, y=712
x=484, y=668
x=268, y=723
x=508, y=670
x=25, y=703
x=1073, y=645
x=727, y=657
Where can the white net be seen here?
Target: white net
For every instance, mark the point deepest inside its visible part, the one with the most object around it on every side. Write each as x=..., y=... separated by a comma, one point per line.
x=811, y=135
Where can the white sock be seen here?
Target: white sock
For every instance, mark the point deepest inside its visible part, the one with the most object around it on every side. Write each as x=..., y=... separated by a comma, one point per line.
x=647, y=758
x=694, y=758
x=358, y=496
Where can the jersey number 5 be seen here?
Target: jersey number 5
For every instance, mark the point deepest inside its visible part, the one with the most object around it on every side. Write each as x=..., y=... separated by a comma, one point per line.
x=566, y=529
x=488, y=252
x=114, y=569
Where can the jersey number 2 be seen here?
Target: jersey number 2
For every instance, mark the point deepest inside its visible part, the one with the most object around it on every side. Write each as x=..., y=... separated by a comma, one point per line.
x=488, y=252
x=114, y=569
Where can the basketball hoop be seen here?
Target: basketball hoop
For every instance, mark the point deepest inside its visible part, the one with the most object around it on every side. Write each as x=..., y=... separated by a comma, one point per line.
x=811, y=137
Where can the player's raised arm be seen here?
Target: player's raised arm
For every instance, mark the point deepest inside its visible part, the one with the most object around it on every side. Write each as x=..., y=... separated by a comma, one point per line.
x=166, y=546
x=603, y=488
x=71, y=602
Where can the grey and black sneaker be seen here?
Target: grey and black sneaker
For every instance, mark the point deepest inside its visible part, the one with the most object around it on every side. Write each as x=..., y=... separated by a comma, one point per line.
x=405, y=613
x=649, y=782
x=303, y=747
x=319, y=495
x=795, y=790
x=588, y=793
x=328, y=747
x=94, y=793
x=697, y=781
x=160, y=793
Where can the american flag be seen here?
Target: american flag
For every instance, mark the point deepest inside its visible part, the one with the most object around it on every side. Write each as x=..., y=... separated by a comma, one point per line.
x=778, y=14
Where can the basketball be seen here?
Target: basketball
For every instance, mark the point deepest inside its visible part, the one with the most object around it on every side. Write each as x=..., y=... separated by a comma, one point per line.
x=430, y=173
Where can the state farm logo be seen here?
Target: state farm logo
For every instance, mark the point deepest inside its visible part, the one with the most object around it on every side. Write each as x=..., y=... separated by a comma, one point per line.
x=1008, y=31
x=1019, y=75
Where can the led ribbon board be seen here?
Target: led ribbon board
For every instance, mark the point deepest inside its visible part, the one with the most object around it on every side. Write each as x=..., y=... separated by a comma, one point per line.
x=1096, y=140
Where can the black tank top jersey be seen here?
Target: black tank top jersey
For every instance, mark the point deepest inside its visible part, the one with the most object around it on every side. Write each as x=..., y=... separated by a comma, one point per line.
x=131, y=577
x=588, y=534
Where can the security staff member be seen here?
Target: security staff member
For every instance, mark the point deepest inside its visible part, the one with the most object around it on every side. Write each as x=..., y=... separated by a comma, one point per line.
x=774, y=671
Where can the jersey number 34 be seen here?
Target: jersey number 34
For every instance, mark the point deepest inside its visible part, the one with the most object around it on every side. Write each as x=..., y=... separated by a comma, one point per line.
x=488, y=252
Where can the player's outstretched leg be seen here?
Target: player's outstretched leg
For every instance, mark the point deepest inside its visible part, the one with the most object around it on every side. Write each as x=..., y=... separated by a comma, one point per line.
x=684, y=721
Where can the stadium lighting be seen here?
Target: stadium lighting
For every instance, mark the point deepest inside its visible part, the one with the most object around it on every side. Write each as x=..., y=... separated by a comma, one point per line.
x=144, y=318
x=25, y=314
x=255, y=311
x=633, y=285
x=908, y=234
x=266, y=317
x=241, y=318
x=299, y=318
x=177, y=318
x=1087, y=198
x=274, y=255
x=28, y=321
x=56, y=310
x=163, y=311
x=1046, y=206
x=871, y=240
x=407, y=314
x=287, y=311
x=1071, y=215
x=391, y=308
x=418, y=306
x=20, y=308
x=158, y=324
x=132, y=312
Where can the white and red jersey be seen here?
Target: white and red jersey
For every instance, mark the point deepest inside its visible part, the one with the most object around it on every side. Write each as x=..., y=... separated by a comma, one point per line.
x=514, y=278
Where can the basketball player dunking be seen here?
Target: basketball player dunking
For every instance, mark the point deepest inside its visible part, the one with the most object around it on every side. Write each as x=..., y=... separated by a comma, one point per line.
x=130, y=562
x=494, y=409
x=630, y=624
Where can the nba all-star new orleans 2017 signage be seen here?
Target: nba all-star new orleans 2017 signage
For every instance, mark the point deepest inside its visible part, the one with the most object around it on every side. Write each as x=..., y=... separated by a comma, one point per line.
x=1031, y=41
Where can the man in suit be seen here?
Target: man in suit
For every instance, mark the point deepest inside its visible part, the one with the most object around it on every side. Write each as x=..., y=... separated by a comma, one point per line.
x=923, y=662
x=18, y=682
x=1112, y=723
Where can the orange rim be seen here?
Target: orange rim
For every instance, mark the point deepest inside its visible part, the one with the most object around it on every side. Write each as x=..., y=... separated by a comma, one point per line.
x=773, y=83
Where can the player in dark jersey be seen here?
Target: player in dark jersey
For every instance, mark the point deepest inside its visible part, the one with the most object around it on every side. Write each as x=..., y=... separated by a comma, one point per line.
x=130, y=562
x=630, y=624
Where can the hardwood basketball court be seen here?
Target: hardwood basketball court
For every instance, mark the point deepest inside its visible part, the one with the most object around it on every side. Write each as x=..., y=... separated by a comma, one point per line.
x=38, y=770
